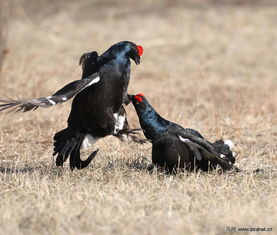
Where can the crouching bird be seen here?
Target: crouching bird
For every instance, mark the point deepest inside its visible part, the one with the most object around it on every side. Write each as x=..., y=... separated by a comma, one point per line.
x=97, y=109
x=175, y=147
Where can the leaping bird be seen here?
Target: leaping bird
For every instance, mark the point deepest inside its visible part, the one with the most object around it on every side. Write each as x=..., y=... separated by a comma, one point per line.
x=176, y=147
x=97, y=109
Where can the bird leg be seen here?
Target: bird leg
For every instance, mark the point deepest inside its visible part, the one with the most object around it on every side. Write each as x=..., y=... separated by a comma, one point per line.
x=126, y=134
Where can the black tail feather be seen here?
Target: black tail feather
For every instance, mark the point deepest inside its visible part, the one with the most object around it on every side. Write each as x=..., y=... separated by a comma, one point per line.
x=79, y=164
x=68, y=143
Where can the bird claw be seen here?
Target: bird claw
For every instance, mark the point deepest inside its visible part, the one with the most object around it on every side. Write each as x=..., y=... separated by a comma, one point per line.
x=131, y=134
x=140, y=141
x=127, y=132
x=134, y=131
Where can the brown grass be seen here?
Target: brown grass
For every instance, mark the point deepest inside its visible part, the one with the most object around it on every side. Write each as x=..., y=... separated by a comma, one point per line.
x=208, y=67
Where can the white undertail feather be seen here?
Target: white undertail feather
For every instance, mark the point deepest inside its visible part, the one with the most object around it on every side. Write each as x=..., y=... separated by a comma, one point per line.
x=88, y=141
x=230, y=143
x=119, y=122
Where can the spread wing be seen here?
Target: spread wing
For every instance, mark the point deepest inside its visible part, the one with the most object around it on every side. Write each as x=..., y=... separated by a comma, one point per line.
x=204, y=149
x=62, y=95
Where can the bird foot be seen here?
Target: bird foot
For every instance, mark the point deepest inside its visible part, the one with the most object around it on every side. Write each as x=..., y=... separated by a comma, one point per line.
x=134, y=131
x=130, y=135
x=138, y=140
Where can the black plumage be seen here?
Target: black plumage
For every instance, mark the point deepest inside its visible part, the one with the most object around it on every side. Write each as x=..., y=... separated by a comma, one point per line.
x=175, y=147
x=97, y=109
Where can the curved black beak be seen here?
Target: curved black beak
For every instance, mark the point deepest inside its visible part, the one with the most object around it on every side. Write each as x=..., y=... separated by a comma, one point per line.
x=129, y=99
x=134, y=56
x=137, y=60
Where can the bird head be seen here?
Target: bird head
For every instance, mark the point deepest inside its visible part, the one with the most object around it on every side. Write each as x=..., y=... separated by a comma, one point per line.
x=151, y=122
x=127, y=49
x=139, y=101
x=135, y=53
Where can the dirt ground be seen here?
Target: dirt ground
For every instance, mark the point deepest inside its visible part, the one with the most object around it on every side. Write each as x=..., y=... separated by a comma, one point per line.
x=207, y=65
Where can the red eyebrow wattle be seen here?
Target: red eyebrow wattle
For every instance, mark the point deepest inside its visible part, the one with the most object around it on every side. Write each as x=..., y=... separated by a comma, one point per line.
x=140, y=50
x=138, y=98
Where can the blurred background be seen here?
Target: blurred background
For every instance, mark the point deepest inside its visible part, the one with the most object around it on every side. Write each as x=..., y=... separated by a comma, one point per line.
x=198, y=28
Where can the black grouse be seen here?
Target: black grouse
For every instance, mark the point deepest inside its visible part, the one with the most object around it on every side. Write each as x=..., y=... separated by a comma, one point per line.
x=176, y=147
x=97, y=109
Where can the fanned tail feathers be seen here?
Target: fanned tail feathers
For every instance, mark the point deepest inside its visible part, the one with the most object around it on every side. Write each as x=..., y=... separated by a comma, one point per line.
x=225, y=150
x=68, y=143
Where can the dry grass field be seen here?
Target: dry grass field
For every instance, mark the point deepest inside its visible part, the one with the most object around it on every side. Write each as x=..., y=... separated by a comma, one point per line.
x=208, y=65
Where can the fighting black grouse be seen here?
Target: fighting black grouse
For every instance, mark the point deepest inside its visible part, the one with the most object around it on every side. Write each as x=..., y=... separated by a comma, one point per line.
x=175, y=147
x=97, y=109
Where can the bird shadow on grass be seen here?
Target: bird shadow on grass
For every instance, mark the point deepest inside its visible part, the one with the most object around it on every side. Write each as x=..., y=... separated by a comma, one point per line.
x=23, y=169
x=140, y=164
x=145, y=165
